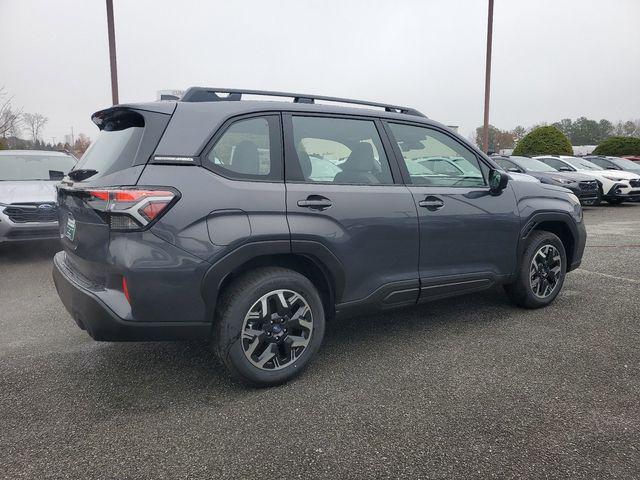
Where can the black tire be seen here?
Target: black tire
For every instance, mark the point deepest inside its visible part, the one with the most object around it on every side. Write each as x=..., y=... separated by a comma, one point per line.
x=521, y=291
x=235, y=304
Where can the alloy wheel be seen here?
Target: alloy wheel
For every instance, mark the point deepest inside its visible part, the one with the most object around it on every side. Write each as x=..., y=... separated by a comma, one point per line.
x=545, y=271
x=277, y=329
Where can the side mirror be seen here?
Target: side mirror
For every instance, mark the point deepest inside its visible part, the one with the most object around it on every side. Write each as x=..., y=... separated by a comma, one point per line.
x=497, y=181
x=613, y=168
x=513, y=169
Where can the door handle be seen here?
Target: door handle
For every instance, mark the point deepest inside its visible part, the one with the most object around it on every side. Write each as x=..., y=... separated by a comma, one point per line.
x=315, y=202
x=431, y=203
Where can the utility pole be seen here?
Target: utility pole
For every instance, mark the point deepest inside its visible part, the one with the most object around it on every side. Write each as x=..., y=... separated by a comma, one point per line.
x=112, y=53
x=487, y=80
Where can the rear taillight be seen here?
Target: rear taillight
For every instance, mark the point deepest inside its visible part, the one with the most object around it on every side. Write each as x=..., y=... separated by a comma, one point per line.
x=130, y=208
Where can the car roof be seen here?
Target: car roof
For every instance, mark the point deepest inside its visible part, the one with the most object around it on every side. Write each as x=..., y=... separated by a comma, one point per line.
x=193, y=123
x=231, y=108
x=559, y=157
x=24, y=153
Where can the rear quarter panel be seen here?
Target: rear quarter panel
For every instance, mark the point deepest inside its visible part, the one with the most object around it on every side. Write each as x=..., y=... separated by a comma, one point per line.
x=214, y=214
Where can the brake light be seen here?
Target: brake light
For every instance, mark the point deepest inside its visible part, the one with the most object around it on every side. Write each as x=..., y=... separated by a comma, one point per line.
x=130, y=208
x=100, y=194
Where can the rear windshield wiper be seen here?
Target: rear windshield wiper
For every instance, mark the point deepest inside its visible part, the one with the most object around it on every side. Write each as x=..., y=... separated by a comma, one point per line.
x=82, y=174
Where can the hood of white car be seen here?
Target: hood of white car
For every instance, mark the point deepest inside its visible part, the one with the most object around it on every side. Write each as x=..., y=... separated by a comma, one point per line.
x=27, y=191
x=612, y=174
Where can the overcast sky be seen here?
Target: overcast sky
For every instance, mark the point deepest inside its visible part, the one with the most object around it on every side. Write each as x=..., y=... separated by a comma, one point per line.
x=552, y=59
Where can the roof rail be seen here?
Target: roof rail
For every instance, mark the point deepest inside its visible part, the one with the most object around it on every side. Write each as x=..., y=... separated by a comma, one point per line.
x=203, y=94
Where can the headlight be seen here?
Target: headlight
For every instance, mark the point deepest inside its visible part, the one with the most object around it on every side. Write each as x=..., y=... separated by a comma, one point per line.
x=577, y=208
x=564, y=181
x=615, y=179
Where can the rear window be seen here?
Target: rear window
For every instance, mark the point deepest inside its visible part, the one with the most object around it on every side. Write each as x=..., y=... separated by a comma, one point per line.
x=112, y=151
x=116, y=146
x=127, y=137
x=34, y=167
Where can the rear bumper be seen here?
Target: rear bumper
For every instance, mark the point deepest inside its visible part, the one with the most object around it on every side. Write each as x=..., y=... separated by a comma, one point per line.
x=93, y=315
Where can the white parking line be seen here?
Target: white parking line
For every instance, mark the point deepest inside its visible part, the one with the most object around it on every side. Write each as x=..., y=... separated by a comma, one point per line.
x=632, y=280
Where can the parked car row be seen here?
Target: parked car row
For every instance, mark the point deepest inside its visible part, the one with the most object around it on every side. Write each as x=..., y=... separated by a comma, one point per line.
x=591, y=178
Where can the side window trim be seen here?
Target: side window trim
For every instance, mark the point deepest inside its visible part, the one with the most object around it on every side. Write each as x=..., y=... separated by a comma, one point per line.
x=276, y=175
x=400, y=158
x=293, y=172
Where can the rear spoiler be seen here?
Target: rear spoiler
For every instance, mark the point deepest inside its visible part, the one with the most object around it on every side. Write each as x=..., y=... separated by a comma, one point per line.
x=127, y=113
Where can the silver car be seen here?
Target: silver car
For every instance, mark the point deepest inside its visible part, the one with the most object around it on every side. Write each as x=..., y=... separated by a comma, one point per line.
x=28, y=181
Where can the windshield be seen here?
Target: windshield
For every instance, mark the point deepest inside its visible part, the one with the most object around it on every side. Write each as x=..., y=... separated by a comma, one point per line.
x=533, y=164
x=625, y=164
x=582, y=164
x=34, y=167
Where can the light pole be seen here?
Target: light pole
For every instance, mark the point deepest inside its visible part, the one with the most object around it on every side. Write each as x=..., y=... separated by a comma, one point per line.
x=112, y=53
x=487, y=80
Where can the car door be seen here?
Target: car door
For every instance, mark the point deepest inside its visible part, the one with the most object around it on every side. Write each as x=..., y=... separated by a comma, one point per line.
x=356, y=211
x=468, y=236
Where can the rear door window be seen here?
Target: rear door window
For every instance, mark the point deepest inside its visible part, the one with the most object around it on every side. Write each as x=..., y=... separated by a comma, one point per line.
x=340, y=151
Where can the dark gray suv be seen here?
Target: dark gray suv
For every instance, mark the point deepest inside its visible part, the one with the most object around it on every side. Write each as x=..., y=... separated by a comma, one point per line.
x=251, y=223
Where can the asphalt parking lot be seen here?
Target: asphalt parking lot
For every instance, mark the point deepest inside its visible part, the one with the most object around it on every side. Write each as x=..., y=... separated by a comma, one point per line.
x=468, y=387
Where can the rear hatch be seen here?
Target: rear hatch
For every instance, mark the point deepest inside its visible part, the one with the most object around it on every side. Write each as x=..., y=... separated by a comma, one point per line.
x=100, y=185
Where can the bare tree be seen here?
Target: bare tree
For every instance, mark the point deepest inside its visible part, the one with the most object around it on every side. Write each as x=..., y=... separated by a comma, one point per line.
x=35, y=122
x=81, y=145
x=9, y=118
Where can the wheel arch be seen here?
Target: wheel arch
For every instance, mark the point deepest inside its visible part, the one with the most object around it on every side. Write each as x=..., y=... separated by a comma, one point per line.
x=563, y=226
x=314, y=262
